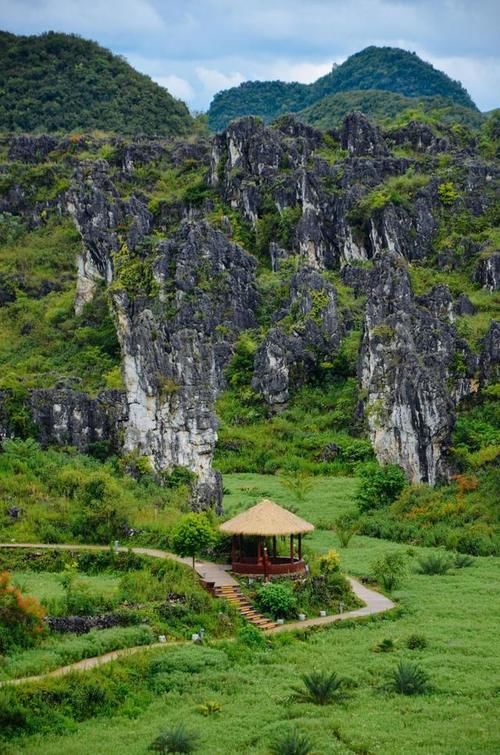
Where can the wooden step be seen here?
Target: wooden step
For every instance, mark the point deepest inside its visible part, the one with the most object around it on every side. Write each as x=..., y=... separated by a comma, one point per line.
x=236, y=598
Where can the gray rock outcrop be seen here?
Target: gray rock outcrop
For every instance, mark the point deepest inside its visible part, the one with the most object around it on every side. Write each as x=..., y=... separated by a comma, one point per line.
x=406, y=367
x=289, y=356
x=175, y=347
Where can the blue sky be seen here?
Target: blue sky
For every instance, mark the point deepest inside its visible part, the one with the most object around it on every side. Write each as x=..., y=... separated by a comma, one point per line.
x=197, y=47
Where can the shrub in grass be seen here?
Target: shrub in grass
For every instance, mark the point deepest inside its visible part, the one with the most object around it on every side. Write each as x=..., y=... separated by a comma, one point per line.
x=21, y=617
x=210, y=708
x=320, y=688
x=416, y=642
x=385, y=646
x=178, y=739
x=390, y=570
x=462, y=560
x=408, y=679
x=434, y=563
x=291, y=744
x=276, y=599
x=252, y=637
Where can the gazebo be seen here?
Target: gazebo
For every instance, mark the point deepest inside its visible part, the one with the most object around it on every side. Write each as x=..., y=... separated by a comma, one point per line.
x=255, y=531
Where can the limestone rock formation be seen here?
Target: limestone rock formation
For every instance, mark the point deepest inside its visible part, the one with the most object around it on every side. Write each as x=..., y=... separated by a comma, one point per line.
x=405, y=369
x=487, y=272
x=288, y=356
x=176, y=344
x=98, y=212
x=65, y=417
x=359, y=136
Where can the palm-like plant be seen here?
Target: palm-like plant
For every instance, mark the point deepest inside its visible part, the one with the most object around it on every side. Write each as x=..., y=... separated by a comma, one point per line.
x=345, y=527
x=291, y=744
x=178, y=739
x=298, y=483
x=320, y=688
x=434, y=563
x=385, y=646
x=408, y=679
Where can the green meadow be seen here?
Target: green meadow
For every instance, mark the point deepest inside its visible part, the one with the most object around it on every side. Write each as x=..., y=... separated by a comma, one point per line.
x=454, y=616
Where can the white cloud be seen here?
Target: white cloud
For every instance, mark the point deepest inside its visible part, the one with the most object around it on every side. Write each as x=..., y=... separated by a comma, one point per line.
x=109, y=18
x=213, y=80
x=480, y=76
x=177, y=86
x=303, y=72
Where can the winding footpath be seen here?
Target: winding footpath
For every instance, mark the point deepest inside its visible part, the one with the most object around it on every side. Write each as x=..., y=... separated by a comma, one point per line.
x=219, y=575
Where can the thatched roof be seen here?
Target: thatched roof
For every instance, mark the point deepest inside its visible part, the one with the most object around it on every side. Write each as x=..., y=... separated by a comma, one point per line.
x=266, y=518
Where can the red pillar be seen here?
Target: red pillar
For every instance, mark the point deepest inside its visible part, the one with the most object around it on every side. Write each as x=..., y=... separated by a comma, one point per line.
x=274, y=546
x=300, y=547
x=291, y=548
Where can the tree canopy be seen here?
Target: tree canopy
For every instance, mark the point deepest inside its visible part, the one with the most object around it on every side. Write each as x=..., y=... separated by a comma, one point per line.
x=61, y=82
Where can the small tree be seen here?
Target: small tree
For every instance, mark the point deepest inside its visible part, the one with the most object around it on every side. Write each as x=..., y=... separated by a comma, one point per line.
x=390, y=569
x=379, y=486
x=192, y=535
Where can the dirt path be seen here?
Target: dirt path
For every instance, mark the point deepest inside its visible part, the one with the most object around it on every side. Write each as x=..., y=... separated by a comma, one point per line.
x=85, y=664
x=217, y=573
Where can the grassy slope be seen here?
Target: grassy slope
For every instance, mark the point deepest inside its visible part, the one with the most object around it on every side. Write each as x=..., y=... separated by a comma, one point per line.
x=454, y=612
x=47, y=586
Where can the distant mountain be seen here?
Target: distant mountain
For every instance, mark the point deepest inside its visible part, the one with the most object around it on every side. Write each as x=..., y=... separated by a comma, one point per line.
x=382, y=107
x=382, y=68
x=61, y=82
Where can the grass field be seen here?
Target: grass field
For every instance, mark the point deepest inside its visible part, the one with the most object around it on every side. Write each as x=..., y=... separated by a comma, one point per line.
x=455, y=613
x=48, y=588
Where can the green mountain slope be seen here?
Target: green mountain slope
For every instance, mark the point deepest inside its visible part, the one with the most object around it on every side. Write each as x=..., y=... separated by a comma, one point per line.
x=60, y=82
x=388, y=69
x=382, y=107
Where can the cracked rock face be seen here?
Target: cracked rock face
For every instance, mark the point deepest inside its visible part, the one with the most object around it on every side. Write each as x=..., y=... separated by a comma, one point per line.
x=287, y=358
x=359, y=136
x=175, y=348
x=406, y=367
x=64, y=417
x=487, y=272
x=98, y=212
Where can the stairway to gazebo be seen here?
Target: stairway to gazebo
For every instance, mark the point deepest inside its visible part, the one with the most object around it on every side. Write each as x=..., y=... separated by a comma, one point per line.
x=233, y=595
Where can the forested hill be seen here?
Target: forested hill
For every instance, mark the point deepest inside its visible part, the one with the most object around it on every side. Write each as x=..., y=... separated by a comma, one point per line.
x=61, y=82
x=387, y=107
x=389, y=69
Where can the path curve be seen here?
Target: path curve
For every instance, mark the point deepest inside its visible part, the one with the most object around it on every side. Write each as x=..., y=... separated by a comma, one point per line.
x=374, y=602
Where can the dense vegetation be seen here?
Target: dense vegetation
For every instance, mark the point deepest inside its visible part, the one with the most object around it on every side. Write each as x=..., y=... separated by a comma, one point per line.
x=58, y=496
x=387, y=69
x=61, y=82
x=387, y=107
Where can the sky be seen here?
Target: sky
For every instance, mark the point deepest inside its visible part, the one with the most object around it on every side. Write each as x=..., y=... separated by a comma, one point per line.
x=195, y=48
